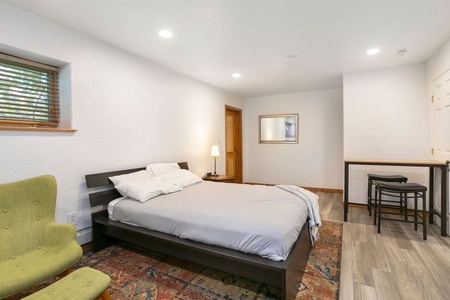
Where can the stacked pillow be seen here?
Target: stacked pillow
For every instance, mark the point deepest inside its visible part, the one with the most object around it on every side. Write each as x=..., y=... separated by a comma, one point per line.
x=162, y=168
x=157, y=179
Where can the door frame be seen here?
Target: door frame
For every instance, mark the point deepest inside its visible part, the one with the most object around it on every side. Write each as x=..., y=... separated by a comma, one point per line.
x=237, y=137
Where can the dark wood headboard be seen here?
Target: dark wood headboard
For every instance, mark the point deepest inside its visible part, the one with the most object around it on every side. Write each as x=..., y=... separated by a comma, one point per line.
x=102, y=180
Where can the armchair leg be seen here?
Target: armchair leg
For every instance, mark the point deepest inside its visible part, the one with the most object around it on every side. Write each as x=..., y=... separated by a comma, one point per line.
x=64, y=273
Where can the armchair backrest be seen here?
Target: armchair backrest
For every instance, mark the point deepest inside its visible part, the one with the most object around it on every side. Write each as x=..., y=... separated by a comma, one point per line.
x=26, y=208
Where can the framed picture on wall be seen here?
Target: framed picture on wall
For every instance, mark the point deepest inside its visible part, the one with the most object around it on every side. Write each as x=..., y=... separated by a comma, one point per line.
x=278, y=129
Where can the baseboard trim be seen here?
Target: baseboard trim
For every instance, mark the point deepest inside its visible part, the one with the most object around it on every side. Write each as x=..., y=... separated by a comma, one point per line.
x=312, y=189
x=328, y=190
x=84, y=236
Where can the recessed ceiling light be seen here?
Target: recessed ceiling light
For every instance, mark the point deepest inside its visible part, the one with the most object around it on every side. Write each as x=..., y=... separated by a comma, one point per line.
x=236, y=75
x=164, y=33
x=373, y=51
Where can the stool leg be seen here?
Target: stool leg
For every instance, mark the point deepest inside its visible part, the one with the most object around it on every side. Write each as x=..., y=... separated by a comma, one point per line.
x=424, y=219
x=401, y=202
x=406, y=206
x=64, y=273
x=375, y=207
x=104, y=296
x=369, y=197
x=378, y=207
x=415, y=211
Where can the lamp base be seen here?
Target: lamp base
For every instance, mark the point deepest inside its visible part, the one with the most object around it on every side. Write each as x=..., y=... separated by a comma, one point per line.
x=215, y=175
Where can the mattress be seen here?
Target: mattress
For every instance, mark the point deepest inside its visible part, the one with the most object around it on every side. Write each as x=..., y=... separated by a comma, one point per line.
x=256, y=219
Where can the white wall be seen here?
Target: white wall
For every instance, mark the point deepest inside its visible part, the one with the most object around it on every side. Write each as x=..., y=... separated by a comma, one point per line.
x=316, y=161
x=386, y=117
x=128, y=112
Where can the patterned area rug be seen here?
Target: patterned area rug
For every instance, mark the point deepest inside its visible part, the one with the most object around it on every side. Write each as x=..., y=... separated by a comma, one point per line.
x=142, y=274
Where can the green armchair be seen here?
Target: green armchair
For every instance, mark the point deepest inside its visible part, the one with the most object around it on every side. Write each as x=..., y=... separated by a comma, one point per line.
x=33, y=248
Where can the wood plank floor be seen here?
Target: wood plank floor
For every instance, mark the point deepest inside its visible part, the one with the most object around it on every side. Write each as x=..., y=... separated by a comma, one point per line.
x=395, y=264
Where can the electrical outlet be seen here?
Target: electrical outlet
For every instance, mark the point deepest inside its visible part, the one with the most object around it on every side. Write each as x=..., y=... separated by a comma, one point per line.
x=72, y=218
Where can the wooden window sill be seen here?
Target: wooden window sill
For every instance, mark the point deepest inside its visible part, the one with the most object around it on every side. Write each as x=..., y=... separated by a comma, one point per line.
x=24, y=128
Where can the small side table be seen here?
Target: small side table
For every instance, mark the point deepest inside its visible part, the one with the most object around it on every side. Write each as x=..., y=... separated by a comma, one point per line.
x=220, y=178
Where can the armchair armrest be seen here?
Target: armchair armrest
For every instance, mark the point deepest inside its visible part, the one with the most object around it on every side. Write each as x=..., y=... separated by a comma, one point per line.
x=62, y=237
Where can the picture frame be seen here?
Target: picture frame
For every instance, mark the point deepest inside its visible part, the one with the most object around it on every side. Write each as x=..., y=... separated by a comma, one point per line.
x=278, y=129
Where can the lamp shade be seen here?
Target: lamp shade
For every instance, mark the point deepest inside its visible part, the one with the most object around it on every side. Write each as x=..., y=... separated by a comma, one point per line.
x=215, y=151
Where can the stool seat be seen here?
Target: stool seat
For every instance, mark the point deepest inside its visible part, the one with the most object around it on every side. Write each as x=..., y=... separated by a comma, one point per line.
x=387, y=178
x=82, y=284
x=401, y=187
x=403, y=192
x=371, y=178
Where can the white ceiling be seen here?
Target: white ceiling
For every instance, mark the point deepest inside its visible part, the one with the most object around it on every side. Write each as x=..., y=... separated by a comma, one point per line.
x=215, y=38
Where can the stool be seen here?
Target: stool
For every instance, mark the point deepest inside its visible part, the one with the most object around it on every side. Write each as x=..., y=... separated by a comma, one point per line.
x=385, y=178
x=82, y=284
x=403, y=191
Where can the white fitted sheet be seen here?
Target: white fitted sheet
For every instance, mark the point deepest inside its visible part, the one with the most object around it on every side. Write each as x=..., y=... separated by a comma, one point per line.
x=262, y=220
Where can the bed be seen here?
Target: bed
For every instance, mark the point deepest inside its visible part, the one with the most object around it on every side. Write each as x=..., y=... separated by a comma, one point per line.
x=285, y=274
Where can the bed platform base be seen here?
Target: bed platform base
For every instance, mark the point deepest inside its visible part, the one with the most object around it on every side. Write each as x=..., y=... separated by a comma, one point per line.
x=286, y=275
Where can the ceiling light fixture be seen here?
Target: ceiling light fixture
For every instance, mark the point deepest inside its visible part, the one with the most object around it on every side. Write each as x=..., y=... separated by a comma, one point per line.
x=289, y=58
x=236, y=75
x=402, y=52
x=164, y=33
x=373, y=51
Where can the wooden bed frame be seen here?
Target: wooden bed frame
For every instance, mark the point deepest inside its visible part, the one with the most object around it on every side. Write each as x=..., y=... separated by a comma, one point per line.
x=284, y=274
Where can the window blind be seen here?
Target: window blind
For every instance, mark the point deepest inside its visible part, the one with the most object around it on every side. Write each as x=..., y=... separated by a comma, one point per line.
x=28, y=93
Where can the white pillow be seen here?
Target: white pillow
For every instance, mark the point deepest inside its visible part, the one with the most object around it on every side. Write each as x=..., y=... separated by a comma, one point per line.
x=139, y=185
x=162, y=168
x=131, y=177
x=182, y=177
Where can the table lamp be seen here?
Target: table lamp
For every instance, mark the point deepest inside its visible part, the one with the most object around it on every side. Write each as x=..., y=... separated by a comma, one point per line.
x=215, y=153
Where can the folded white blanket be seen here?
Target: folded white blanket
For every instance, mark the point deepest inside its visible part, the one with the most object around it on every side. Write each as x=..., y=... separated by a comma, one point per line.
x=312, y=201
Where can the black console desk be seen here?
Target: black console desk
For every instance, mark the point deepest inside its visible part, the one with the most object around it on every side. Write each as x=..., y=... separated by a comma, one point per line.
x=431, y=164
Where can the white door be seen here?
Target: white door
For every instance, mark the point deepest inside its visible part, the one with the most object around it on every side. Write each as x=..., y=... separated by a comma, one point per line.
x=441, y=93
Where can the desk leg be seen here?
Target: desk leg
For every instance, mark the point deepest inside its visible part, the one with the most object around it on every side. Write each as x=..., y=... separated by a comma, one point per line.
x=431, y=196
x=345, y=191
x=444, y=199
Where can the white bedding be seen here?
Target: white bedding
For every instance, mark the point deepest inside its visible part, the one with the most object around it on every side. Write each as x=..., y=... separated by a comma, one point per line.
x=262, y=220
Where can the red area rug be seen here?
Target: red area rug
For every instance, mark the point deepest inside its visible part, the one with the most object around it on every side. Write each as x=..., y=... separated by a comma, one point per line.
x=142, y=274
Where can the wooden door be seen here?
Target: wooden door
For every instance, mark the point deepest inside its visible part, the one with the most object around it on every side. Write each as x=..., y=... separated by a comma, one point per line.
x=233, y=142
x=441, y=106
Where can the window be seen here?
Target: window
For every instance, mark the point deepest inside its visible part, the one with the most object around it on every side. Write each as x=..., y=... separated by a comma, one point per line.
x=28, y=93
